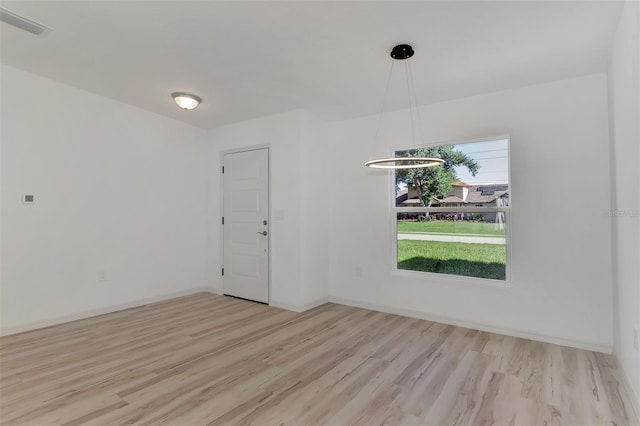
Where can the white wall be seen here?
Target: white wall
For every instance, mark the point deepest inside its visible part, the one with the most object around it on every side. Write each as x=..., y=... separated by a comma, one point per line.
x=137, y=195
x=314, y=210
x=561, y=264
x=123, y=191
x=297, y=252
x=117, y=189
x=624, y=104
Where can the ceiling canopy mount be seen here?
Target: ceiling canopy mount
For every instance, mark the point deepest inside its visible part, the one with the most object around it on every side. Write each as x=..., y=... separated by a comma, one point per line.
x=402, y=51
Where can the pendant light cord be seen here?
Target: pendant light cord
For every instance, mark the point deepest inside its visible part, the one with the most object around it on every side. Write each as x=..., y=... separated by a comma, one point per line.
x=415, y=103
x=384, y=101
x=408, y=161
x=406, y=72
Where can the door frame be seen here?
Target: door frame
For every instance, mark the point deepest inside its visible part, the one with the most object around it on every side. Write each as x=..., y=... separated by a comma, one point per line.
x=221, y=238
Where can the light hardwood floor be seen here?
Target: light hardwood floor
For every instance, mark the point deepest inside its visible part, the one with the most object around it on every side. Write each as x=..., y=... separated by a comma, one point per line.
x=207, y=359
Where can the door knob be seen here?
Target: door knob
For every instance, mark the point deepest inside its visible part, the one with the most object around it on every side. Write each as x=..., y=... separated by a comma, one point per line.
x=263, y=233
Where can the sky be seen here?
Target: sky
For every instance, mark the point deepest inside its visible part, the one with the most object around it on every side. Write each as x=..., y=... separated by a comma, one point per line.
x=493, y=158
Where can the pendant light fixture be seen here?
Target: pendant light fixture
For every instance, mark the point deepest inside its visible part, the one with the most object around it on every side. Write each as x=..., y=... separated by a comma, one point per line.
x=403, y=52
x=186, y=100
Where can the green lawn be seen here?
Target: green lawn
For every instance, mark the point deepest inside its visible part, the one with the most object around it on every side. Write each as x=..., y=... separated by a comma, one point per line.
x=473, y=260
x=449, y=227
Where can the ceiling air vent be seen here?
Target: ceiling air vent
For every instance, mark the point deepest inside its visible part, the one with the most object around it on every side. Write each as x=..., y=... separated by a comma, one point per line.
x=23, y=23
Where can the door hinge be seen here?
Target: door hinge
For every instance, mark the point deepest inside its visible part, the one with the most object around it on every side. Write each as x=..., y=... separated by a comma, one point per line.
x=223, y=220
x=222, y=169
x=222, y=271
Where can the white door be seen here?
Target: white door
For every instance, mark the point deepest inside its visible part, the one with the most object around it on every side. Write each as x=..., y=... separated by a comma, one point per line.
x=245, y=225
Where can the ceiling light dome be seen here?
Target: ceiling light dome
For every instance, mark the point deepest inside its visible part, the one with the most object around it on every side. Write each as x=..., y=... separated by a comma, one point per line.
x=185, y=100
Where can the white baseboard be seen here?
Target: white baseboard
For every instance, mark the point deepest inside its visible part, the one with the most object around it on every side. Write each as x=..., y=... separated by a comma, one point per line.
x=476, y=326
x=634, y=399
x=304, y=307
x=299, y=308
x=101, y=311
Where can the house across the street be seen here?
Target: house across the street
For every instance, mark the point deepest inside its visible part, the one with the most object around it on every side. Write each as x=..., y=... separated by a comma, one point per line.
x=461, y=195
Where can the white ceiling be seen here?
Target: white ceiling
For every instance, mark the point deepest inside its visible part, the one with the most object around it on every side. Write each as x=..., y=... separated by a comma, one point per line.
x=249, y=59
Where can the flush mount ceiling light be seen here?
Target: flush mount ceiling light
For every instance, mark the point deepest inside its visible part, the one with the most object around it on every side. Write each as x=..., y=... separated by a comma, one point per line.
x=185, y=100
x=403, y=52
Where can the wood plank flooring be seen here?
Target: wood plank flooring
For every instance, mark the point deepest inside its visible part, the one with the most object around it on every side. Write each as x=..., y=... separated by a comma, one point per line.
x=212, y=360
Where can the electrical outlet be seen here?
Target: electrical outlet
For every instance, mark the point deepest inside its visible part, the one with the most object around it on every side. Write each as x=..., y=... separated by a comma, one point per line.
x=102, y=276
x=635, y=340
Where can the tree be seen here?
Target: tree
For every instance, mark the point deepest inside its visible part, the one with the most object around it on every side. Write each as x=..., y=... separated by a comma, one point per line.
x=432, y=182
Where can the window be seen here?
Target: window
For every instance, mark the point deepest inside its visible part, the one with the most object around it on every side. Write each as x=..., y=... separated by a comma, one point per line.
x=453, y=218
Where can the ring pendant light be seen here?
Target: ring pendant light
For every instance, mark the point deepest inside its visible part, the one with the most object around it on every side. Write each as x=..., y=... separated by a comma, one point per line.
x=403, y=52
x=404, y=163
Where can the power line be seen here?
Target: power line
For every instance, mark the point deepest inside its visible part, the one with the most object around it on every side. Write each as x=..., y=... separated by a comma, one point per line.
x=492, y=171
x=489, y=150
x=489, y=158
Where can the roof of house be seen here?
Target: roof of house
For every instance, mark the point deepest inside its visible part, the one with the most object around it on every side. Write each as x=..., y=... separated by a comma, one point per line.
x=480, y=194
x=476, y=194
x=478, y=197
x=412, y=201
x=451, y=199
x=402, y=196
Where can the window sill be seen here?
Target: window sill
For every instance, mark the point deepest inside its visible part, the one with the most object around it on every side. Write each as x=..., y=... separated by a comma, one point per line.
x=431, y=277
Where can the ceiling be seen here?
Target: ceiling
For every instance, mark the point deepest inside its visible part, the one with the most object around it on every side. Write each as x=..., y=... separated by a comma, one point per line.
x=250, y=59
